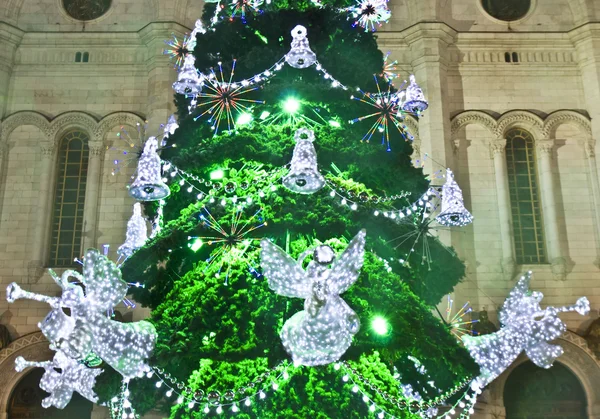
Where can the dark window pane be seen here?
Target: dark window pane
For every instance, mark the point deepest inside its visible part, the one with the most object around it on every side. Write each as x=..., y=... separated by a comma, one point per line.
x=67, y=217
x=524, y=197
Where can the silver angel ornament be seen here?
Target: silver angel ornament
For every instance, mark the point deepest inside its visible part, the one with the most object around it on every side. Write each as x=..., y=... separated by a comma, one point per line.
x=323, y=331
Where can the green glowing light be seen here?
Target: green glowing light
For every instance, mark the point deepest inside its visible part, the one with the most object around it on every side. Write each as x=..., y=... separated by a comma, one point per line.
x=261, y=36
x=380, y=325
x=217, y=174
x=244, y=118
x=334, y=123
x=264, y=115
x=196, y=245
x=291, y=105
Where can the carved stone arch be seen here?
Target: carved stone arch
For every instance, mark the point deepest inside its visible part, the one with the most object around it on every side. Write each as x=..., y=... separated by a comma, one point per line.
x=23, y=118
x=473, y=117
x=577, y=357
x=555, y=119
x=520, y=119
x=33, y=347
x=115, y=119
x=70, y=120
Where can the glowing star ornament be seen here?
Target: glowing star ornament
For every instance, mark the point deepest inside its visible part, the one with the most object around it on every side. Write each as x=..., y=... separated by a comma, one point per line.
x=525, y=327
x=390, y=68
x=300, y=55
x=370, y=14
x=453, y=213
x=304, y=176
x=323, y=331
x=137, y=233
x=88, y=329
x=63, y=376
x=148, y=185
x=223, y=100
x=241, y=7
x=189, y=82
x=415, y=99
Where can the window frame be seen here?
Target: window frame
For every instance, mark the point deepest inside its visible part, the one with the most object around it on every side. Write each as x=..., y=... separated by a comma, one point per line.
x=524, y=191
x=71, y=167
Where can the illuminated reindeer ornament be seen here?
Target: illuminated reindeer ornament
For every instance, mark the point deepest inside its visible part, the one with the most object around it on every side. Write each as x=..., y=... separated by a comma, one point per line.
x=525, y=327
x=87, y=331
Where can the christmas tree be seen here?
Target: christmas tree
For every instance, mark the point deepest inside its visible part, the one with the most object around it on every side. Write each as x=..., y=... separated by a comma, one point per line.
x=241, y=115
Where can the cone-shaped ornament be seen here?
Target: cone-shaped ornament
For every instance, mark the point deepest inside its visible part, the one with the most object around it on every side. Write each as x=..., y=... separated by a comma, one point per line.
x=137, y=233
x=300, y=55
x=454, y=213
x=304, y=176
x=415, y=99
x=188, y=82
x=148, y=186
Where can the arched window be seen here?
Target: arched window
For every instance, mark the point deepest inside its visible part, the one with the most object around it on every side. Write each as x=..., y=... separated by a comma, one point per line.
x=524, y=198
x=67, y=213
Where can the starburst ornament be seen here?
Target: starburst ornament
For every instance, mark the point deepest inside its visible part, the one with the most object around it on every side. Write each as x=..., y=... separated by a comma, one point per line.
x=525, y=327
x=453, y=213
x=148, y=185
x=231, y=239
x=137, y=233
x=300, y=55
x=323, y=331
x=458, y=322
x=390, y=68
x=189, y=81
x=304, y=176
x=178, y=49
x=222, y=100
x=386, y=113
x=370, y=14
x=242, y=7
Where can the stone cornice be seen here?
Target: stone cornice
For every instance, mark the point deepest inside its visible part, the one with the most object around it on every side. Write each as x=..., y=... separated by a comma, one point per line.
x=10, y=33
x=429, y=31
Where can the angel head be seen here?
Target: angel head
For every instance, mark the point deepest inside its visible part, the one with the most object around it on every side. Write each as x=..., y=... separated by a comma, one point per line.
x=323, y=255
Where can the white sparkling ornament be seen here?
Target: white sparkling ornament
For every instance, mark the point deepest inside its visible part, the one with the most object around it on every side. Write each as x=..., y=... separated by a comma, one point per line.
x=415, y=99
x=304, y=176
x=63, y=376
x=370, y=14
x=137, y=233
x=323, y=331
x=300, y=55
x=170, y=127
x=88, y=330
x=525, y=327
x=148, y=185
x=453, y=213
x=189, y=82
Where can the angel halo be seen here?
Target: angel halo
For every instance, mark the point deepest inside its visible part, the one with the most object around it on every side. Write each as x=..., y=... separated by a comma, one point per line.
x=323, y=331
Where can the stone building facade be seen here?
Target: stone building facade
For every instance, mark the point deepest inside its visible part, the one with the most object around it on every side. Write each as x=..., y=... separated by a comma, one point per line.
x=496, y=73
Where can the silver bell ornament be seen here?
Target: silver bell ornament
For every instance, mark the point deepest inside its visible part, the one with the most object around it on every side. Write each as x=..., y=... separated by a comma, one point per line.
x=304, y=176
x=415, y=99
x=137, y=233
x=188, y=82
x=148, y=185
x=300, y=55
x=453, y=213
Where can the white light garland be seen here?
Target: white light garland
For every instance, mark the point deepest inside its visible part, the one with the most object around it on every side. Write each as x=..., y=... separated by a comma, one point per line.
x=525, y=327
x=321, y=333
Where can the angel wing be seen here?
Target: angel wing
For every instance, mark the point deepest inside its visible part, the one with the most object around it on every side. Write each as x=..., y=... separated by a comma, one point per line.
x=102, y=279
x=284, y=275
x=544, y=354
x=515, y=298
x=346, y=268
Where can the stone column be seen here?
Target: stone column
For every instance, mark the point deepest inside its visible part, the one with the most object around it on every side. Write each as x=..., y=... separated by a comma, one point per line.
x=40, y=246
x=10, y=38
x=498, y=154
x=553, y=237
x=590, y=153
x=92, y=190
x=160, y=71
